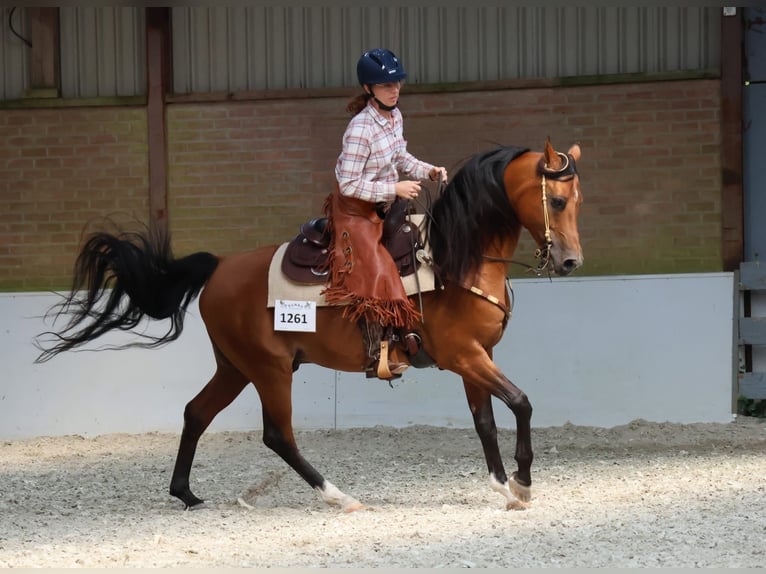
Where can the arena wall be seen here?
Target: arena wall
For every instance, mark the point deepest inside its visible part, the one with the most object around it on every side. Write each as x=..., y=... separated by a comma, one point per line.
x=598, y=351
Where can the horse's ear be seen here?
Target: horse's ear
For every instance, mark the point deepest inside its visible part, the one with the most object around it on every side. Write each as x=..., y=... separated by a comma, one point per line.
x=575, y=152
x=552, y=159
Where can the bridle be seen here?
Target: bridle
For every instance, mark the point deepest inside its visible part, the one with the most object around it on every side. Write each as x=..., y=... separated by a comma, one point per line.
x=544, y=253
x=566, y=172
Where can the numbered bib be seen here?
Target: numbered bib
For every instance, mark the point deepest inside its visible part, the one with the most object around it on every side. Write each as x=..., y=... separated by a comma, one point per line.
x=295, y=315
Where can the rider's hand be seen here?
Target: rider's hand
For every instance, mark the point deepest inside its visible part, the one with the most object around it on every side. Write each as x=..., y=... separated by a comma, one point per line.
x=437, y=174
x=407, y=189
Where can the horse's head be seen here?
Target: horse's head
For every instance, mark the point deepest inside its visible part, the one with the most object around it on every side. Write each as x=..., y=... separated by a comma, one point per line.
x=547, y=203
x=479, y=215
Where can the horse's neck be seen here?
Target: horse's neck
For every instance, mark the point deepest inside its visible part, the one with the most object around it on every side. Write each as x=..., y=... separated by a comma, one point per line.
x=491, y=274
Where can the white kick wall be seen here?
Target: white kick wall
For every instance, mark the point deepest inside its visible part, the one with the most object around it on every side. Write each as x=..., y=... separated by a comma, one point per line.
x=598, y=351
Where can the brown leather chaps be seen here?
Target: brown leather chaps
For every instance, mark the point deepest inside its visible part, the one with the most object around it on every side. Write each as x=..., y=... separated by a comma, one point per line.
x=363, y=276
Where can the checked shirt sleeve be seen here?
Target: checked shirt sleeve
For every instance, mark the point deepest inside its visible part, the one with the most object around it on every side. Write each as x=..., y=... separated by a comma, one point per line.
x=409, y=165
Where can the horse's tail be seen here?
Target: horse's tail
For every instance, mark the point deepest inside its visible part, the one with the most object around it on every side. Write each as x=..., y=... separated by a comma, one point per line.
x=119, y=279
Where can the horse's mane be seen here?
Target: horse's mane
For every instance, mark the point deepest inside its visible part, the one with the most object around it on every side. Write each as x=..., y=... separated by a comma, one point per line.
x=472, y=212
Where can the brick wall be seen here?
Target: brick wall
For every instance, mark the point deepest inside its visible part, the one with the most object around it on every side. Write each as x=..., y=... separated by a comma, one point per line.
x=247, y=173
x=60, y=169
x=244, y=174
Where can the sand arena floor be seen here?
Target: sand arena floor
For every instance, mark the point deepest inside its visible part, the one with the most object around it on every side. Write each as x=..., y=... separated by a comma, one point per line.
x=643, y=494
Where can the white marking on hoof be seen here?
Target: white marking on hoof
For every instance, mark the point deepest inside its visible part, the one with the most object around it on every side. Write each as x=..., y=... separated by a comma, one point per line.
x=331, y=495
x=516, y=495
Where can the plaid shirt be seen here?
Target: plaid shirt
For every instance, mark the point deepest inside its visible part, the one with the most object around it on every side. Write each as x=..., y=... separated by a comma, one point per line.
x=374, y=154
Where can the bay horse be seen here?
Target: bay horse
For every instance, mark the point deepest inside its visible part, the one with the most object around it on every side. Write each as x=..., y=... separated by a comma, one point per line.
x=473, y=228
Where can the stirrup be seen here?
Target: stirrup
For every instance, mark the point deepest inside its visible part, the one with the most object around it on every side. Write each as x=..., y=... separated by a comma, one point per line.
x=384, y=369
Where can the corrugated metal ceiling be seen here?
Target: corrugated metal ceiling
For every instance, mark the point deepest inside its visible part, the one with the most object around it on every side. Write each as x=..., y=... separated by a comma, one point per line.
x=241, y=48
x=235, y=48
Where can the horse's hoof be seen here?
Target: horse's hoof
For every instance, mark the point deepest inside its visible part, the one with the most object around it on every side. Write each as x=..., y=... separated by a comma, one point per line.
x=520, y=491
x=516, y=505
x=353, y=507
x=196, y=506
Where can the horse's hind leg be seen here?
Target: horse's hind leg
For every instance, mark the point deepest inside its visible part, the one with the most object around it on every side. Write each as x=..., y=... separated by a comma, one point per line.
x=227, y=383
x=276, y=399
x=480, y=403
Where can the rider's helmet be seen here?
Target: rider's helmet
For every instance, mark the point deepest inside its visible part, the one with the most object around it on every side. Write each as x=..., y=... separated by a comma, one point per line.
x=379, y=66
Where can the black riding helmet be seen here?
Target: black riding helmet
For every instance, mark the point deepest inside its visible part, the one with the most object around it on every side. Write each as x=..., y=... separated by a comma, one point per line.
x=379, y=66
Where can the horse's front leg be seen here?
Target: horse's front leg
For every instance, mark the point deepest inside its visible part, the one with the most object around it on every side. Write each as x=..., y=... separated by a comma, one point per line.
x=517, y=490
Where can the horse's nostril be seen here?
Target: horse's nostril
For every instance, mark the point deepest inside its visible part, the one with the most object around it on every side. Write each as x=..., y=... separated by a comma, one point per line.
x=570, y=265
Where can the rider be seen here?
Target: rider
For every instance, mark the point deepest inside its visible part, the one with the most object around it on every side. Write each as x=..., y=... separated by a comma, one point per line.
x=374, y=155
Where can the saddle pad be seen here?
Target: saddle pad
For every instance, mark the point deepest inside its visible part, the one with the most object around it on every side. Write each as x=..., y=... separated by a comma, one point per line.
x=280, y=287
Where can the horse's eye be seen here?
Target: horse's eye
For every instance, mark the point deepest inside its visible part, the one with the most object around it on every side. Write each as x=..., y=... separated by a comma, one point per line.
x=558, y=203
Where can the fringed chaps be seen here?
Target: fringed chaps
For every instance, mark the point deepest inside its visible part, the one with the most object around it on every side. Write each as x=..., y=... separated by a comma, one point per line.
x=363, y=276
